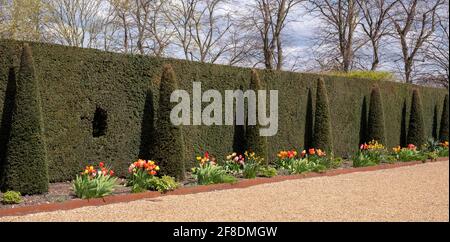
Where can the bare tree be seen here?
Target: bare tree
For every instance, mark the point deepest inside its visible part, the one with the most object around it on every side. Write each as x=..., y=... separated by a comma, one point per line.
x=72, y=22
x=375, y=25
x=121, y=9
x=415, y=21
x=181, y=17
x=270, y=17
x=21, y=20
x=436, y=57
x=159, y=27
x=340, y=19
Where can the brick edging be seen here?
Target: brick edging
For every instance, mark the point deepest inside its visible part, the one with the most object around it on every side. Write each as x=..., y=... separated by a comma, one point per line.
x=78, y=203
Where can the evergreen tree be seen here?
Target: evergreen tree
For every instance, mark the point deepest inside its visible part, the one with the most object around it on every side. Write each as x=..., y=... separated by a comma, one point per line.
x=254, y=141
x=443, y=131
x=416, y=129
x=26, y=168
x=169, y=148
x=322, y=137
x=376, y=117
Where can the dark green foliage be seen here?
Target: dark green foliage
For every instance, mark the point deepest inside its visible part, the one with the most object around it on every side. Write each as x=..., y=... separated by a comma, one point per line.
x=5, y=125
x=376, y=121
x=403, y=132
x=363, y=123
x=169, y=144
x=254, y=141
x=435, y=128
x=309, y=122
x=74, y=81
x=322, y=137
x=416, y=129
x=443, y=131
x=239, y=144
x=26, y=169
x=147, y=127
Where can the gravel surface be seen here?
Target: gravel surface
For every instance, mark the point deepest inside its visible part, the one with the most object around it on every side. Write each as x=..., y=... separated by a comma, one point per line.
x=415, y=193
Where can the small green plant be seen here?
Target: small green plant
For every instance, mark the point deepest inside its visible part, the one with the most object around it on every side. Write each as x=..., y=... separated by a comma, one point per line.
x=305, y=165
x=12, y=197
x=252, y=165
x=162, y=184
x=267, y=171
x=371, y=154
x=141, y=172
x=208, y=172
x=94, y=183
x=409, y=154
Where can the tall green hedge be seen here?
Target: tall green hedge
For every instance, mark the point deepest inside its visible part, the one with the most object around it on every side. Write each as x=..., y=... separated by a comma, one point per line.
x=376, y=123
x=443, y=131
x=74, y=81
x=26, y=169
x=169, y=147
x=322, y=120
x=416, y=129
x=254, y=141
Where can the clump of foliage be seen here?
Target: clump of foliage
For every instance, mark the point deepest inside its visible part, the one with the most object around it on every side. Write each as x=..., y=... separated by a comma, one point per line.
x=162, y=184
x=11, y=197
x=376, y=117
x=141, y=172
x=371, y=154
x=315, y=160
x=26, y=169
x=252, y=165
x=208, y=172
x=95, y=182
x=169, y=142
x=410, y=153
x=416, y=130
x=322, y=137
x=267, y=171
x=254, y=141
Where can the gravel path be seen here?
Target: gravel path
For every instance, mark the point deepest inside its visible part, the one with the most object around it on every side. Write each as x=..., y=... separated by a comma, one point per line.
x=415, y=193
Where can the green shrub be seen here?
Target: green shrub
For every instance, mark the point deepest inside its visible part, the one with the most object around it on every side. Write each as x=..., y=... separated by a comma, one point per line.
x=322, y=121
x=169, y=142
x=267, y=171
x=443, y=131
x=162, y=184
x=416, y=130
x=11, y=197
x=363, y=160
x=376, y=117
x=254, y=141
x=26, y=169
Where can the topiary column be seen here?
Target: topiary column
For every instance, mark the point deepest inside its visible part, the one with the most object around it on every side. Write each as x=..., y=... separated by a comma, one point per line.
x=26, y=169
x=322, y=137
x=443, y=131
x=168, y=148
x=254, y=141
x=416, y=129
x=376, y=117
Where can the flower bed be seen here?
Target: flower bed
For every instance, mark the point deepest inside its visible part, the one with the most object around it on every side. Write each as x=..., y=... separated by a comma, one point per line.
x=100, y=181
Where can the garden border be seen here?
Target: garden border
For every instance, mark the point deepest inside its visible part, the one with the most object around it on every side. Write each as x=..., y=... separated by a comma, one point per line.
x=78, y=203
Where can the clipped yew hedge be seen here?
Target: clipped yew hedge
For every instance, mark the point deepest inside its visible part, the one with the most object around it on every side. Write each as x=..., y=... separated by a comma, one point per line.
x=74, y=82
